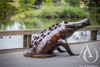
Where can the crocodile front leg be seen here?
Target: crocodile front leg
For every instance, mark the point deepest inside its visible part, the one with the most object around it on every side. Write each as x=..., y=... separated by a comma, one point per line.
x=66, y=46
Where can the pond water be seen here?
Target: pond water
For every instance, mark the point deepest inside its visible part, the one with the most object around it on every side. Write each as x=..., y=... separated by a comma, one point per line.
x=38, y=23
x=8, y=42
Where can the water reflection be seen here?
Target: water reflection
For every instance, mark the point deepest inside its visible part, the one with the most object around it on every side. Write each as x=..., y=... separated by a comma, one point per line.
x=37, y=23
x=15, y=26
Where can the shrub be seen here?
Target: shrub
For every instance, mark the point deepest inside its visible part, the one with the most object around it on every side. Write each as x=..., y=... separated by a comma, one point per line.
x=56, y=11
x=60, y=11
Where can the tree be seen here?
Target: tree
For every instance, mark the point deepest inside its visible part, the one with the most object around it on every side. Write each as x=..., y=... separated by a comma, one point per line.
x=57, y=2
x=48, y=2
x=38, y=2
x=4, y=7
x=25, y=4
x=94, y=5
x=73, y=2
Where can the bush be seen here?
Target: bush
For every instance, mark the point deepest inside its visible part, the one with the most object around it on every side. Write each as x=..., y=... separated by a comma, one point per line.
x=60, y=11
x=56, y=12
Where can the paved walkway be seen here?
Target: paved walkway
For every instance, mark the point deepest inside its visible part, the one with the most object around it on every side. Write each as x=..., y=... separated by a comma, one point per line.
x=16, y=59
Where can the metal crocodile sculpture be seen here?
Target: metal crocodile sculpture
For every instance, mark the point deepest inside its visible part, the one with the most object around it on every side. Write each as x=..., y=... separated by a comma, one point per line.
x=50, y=39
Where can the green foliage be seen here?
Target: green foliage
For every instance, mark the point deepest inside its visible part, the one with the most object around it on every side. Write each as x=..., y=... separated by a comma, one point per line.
x=26, y=4
x=38, y=2
x=5, y=7
x=48, y=2
x=10, y=0
x=94, y=5
x=74, y=2
x=29, y=13
x=57, y=2
x=60, y=11
x=51, y=11
x=55, y=12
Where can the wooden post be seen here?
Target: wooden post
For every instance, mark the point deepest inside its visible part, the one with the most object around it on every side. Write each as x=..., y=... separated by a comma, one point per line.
x=93, y=35
x=28, y=40
x=25, y=41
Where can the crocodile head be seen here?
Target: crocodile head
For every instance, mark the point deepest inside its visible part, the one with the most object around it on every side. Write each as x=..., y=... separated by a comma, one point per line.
x=76, y=25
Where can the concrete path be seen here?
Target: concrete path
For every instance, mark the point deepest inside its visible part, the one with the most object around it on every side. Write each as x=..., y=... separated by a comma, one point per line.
x=16, y=59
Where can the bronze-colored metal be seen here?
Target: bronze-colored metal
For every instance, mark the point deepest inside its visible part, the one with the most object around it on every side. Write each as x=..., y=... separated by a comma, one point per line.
x=51, y=40
x=39, y=55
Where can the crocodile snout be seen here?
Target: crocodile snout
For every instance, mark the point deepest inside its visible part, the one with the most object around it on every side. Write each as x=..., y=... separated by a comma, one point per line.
x=86, y=23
